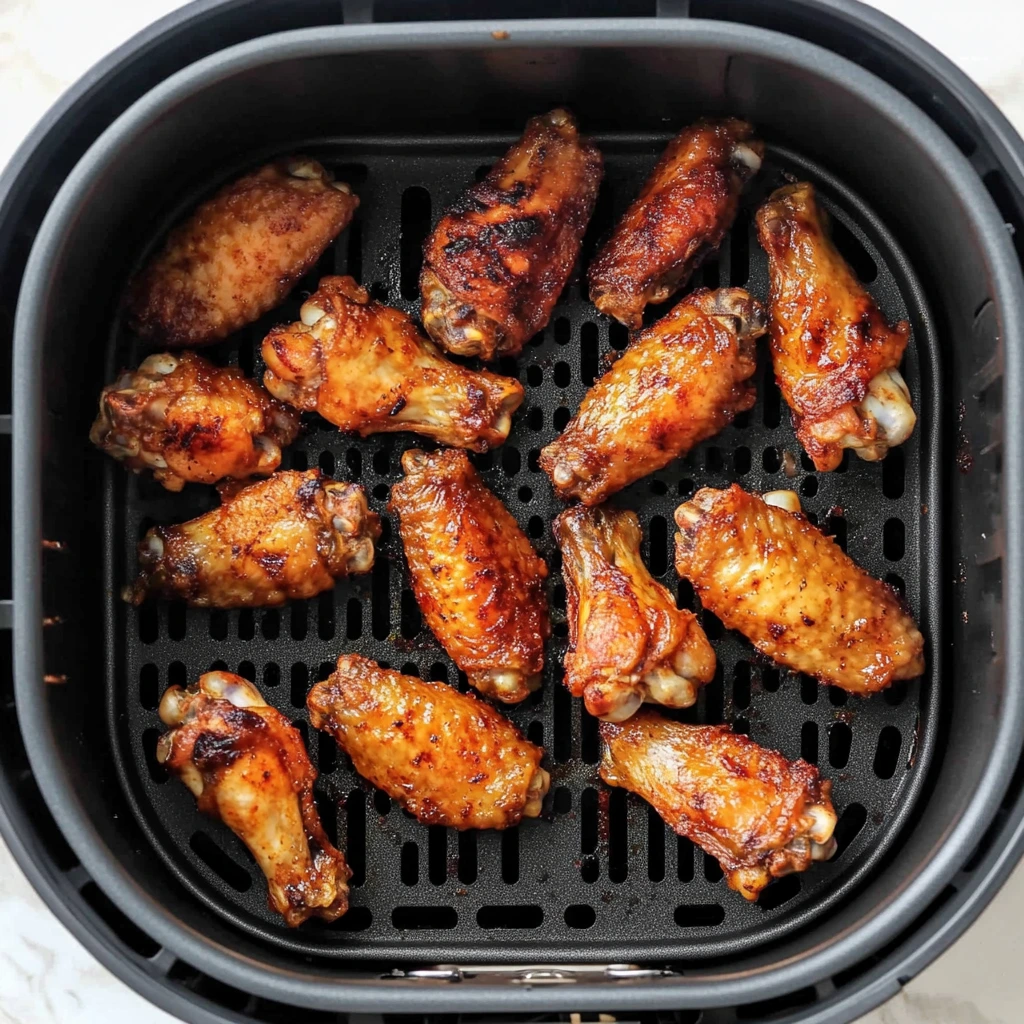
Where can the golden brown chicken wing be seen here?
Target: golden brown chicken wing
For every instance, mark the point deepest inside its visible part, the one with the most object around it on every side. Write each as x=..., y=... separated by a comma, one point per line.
x=766, y=571
x=191, y=421
x=678, y=382
x=681, y=215
x=446, y=757
x=245, y=764
x=836, y=358
x=239, y=254
x=628, y=642
x=277, y=540
x=497, y=261
x=366, y=367
x=758, y=814
x=479, y=583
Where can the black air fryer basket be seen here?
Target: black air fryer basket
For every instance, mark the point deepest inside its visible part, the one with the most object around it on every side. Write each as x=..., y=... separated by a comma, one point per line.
x=597, y=906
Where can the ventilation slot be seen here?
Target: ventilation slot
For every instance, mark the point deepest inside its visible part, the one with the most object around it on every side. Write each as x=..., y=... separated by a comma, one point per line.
x=657, y=539
x=415, y=227
x=699, y=915
x=840, y=738
x=809, y=742
x=157, y=772
x=618, y=836
x=589, y=361
x=887, y=752
x=128, y=932
x=380, y=605
x=355, y=848
x=589, y=868
x=410, y=864
x=219, y=862
x=467, y=857
x=684, y=859
x=580, y=915
x=425, y=918
x=149, y=686
x=437, y=854
x=510, y=917
x=590, y=739
x=851, y=821
x=299, y=685
x=852, y=250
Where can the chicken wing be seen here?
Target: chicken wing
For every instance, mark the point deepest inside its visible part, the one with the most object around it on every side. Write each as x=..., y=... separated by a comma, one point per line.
x=681, y=215
x=479, y=583
x=446, y=757
x=679, y=381
x=245, y=764
x=768, y=572
x=836, y=358
x=191, y=421
x=760, y=815
x=628, y=642
x=497, y=261
x=286, y=538
x=366, y=367
x=239, y=254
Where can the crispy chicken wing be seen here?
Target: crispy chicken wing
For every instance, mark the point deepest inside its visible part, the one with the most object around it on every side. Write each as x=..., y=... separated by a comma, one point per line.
x=239, y=254
x=478, y=581
x=768, y=572
x=836, y=357
x=366, y=367
x=628, y=642
x=286, y=538
x=678, y=382
x=245, y=764
x=497, y=261
x=760, y=815
x=191, y=421
x=446, y=757
x=681, y=215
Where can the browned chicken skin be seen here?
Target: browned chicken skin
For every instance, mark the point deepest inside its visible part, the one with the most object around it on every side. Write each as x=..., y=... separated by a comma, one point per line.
x=239, y=254
x=286, y=538
x=768, y=572
x=679, y=381
x=192, y=422
x=497, y=261
x=681, y=215
x=479, y=583
x=366, y=367
x=628, y=642
x=446, y=757
x=836, y=358
x=245, y=764
x=760, y=815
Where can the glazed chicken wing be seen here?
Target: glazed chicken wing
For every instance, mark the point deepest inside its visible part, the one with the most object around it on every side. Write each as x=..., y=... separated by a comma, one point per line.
x=679, y=381
x=497, y=261
x=760, y=815
x=479, y=583
x=836, y=358
x=191, y=421
x=239, y=254
x=628, y=642
x=446, y=757
x=245, y=764
x=681, y=215
x=366, y=367
x=768, y=572
x=282, y=539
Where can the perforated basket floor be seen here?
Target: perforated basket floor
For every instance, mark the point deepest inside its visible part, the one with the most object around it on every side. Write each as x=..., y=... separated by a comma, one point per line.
x=599, y=877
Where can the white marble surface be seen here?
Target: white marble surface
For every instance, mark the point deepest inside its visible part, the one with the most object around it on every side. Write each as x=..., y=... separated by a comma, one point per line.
x=46, y=977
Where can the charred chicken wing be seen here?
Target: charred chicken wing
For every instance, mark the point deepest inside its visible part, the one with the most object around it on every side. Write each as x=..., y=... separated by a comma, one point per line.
x=628, y=642
x=499, y=258
x=479, y=583
x=768, y=572
x=245, y=764
x=286, y=538
x=446, y=757
x=239, y=254
x=366, y=367
x=836, y=358
x=679, y=381
x=681, y=215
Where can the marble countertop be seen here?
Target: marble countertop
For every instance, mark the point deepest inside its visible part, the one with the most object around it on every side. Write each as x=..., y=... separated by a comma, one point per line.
x=46, y=977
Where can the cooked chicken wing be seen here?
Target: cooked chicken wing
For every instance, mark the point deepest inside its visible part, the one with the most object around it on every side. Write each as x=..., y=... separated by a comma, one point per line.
x=497, y=261
x=628, y=642
x=760, y=815
x=836, y=358
x=239, y=254
x=768, y=572
x=446, y=757
x=479, y=583
x=679, y=381
x=366, y=367
x=191, y=421
x=681, y=215
x=245, y=764
x=282, y=539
